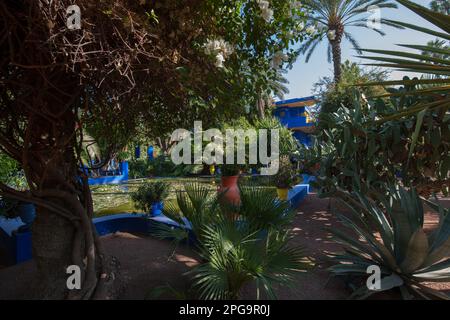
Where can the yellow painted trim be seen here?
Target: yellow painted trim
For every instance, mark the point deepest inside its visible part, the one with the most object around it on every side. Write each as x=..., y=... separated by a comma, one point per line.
x=298, y=104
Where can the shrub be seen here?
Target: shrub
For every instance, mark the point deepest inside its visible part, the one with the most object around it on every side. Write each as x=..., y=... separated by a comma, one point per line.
x=11, y=173
x=406, y=255
x=139, y=168
x=162, y=166
x=253, y=248
x=356, y=148
x=287, y=176
x=149, y=193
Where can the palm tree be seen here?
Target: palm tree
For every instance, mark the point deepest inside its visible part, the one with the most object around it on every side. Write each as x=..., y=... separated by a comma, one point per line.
x=278, y=89
x=441, y=6
x=335, y=16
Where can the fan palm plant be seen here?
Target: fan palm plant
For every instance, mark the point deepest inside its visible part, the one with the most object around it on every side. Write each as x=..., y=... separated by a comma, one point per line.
x=195, y=206
x=335, y=16
x=430, y=60
x=260, y=209
x=249, y=247
x=237, y=256
x=405, y=254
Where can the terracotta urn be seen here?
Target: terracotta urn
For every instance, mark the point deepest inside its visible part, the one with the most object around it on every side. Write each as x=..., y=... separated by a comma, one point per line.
x=229, y=188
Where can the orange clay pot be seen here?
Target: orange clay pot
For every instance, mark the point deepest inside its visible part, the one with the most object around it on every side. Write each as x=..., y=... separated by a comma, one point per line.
x=231, y=190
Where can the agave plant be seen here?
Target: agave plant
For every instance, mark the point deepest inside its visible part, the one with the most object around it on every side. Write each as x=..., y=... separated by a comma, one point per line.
x=427, y=61
x=251, y=246
x=405, y=254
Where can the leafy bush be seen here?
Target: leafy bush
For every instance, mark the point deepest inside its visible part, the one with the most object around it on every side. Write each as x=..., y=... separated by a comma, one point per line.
x=406, y=255
x=287, y=176
x=334, y=95
x=249, y=247
x=11, y=173
x=358, y=147
x=149, y=193
x=139, y=168
x=162, y=166
x=288, y=143
x=403, y=135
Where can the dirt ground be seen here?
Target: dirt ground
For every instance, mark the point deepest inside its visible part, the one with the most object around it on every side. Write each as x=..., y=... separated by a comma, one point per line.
x=147, y=263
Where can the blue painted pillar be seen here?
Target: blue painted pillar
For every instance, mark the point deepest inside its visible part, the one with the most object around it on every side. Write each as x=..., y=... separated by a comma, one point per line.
x=124, y=169
x=150, y=153
x=137, y=152
x=22, y=250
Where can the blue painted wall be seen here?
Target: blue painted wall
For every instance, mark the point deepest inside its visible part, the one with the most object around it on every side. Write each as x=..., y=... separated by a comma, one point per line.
x=294, y=118
x=123, y=176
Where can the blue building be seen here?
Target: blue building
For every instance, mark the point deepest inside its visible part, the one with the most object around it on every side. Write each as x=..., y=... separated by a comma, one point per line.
x=292, y=113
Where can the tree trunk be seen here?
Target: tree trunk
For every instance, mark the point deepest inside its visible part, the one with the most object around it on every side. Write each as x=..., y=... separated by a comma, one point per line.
x=63, y=232
x=40, y=102
x=336, y=50
x=53, y=239
x=260, y=107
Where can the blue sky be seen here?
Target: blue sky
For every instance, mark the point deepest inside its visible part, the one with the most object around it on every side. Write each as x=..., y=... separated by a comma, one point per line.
x=303, y=75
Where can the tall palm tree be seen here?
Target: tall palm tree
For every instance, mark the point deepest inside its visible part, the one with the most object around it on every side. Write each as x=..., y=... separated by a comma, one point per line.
x=278, y=89
x=441, y=6
x=335, y=16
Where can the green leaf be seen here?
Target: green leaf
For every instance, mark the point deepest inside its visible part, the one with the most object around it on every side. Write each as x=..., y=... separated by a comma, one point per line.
x=416, y=253
x=416, y=132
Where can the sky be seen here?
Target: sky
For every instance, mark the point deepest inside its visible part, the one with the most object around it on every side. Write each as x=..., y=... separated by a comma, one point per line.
x=303, y=75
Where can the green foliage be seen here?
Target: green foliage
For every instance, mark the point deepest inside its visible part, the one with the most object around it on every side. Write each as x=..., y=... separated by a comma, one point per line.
x=261, y=211
x=406, y=255
x=248, y=72
x=236, y=257
x=334, y=95
x=10, y=173
x=149, y=193
x=162, y=166
x=288, y=144
x=139, y=168
x=287, y=176
x=356, y=149
x=441, y=6
x=251, y=246
x=333, y=18
x=197, y=204
x=427, y=61
x=229, y=170
x=402, y=135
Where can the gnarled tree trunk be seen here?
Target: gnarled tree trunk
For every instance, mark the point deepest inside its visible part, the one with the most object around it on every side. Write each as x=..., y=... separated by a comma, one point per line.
x=63, y=233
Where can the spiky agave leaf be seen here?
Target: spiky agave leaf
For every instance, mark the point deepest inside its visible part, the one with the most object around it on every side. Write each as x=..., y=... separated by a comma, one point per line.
x=404, y=249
